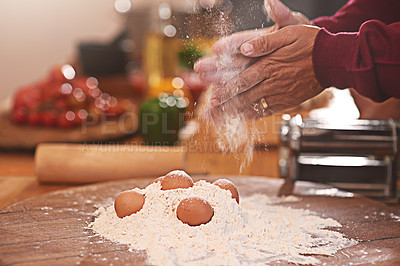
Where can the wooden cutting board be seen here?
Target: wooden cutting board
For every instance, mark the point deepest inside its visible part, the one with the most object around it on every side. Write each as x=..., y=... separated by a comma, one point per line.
x=51, y=229
x=26, y=137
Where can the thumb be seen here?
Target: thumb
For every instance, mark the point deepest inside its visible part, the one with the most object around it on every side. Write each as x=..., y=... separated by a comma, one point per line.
x=268, y=43
x=278, y=12
x=282, y=15
x=208, y=4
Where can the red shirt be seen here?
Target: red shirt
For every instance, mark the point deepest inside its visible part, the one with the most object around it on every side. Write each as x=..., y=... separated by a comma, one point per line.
x=359, y=47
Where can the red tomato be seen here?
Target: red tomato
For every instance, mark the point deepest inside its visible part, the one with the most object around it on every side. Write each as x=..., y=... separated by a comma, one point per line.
x=81, y=83
x=94, y=113
x=63, y=100
x=67, y=119
x=63, y=122
x=56, y=74
x=50, y=90
x=60, y=104
x=32, y=98
x=73, y=103
x=116, y=110
x=78, y=120
x=19, y=98
x=19, y=115
x=49, y=118
x=34, y=118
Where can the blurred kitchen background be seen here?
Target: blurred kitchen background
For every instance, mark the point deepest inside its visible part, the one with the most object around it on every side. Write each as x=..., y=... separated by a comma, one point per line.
x=36, y=35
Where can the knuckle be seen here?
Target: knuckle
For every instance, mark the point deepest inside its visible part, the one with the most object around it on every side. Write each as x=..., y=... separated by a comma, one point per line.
x=241, y=82
x=262, y=44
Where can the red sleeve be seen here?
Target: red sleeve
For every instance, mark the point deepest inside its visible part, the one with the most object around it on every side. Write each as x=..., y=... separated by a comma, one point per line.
x=368, y=60
x=350, y=17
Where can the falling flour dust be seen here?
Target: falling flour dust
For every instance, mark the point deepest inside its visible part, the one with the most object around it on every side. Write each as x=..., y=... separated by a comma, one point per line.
x=233, y=132
x=256, y=232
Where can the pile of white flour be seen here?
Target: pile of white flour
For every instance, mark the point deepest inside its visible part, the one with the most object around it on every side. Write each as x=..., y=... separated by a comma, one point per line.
x=254, y=232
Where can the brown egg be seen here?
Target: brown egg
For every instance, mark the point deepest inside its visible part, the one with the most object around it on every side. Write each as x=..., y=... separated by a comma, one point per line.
x=228, y=185
x=128, y=202
x=157, y=179
x=176, y=179
x=194, y=211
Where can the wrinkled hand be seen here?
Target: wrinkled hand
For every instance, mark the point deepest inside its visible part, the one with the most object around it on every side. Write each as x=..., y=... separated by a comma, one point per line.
x=283, y=76
x=228, y=62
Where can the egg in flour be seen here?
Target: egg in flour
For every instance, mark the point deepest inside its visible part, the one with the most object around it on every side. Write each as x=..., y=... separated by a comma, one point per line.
x=194, y=211
x=228, y=185
x=128, y=202
x=176, y=179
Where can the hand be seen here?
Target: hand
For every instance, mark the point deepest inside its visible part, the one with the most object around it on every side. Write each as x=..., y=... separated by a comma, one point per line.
x=389, y=109
x=283, y=76
x=228, y=62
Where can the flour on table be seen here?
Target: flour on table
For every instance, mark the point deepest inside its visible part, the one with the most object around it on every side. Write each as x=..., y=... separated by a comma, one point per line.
x=252, y=233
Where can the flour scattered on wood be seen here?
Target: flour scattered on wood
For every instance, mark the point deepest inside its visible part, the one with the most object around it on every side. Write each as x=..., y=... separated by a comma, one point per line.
x=255, y=232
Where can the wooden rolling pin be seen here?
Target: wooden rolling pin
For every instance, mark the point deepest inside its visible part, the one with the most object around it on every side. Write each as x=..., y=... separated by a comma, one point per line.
x=80, y=163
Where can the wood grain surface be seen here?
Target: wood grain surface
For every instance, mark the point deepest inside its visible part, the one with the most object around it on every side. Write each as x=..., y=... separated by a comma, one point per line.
x=52, y=229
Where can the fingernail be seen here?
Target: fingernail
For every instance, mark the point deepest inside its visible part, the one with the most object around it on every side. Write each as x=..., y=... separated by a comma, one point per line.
x=197, y=65
x=214, y=102
x=247, y=48
x=202, y=76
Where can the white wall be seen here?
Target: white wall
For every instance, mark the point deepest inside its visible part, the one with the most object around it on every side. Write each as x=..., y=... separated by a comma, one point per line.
x=36, y=35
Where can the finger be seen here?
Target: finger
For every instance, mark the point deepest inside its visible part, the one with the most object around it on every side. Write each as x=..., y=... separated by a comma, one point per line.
x=232, y=43
x=269, y=43
x=282, y=15
x=275, y=97
x=205, y=64
x=256, y=111
x=222, y=63
x=234, y=106
x=253, y=112
x=246, y=80
x=299, y=18
x=279, y=13
x=218, y=78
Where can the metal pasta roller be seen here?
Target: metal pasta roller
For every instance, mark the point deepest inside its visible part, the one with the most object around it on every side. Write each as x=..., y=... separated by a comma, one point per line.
x=357, y=155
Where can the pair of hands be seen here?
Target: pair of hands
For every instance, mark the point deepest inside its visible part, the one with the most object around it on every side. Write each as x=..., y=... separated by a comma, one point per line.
x=273, y=64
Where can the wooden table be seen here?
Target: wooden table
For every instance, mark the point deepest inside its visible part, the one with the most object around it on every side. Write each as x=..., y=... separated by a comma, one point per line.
x=23, y=190
x=52, y=229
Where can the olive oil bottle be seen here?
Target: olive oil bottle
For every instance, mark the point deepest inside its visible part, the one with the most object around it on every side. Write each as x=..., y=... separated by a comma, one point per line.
x=160, y=48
